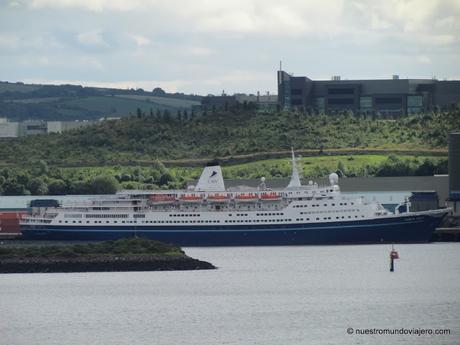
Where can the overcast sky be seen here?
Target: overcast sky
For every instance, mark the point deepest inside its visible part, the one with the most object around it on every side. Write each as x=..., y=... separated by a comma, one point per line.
x=206, y=46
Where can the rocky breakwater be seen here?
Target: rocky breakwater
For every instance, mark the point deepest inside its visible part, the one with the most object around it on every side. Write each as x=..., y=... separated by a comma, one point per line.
x=133, y=254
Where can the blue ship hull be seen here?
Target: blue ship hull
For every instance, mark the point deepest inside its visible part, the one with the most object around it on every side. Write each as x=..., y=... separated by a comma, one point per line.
x=405, y=228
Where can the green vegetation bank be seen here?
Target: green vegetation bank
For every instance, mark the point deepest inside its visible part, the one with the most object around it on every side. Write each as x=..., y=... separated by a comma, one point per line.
x=131, y=254
x=127, y=153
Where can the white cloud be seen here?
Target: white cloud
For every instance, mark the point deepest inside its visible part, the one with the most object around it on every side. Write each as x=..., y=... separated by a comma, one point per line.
x=92, y=38
x=378, y=23
x=198, y=51
x=90, y=62
x=34, y=61
x=179, y=44
x=423, y=59
x=15, y=42
x=91, y=5
x=141, y=40
x=8, y=41
x=14, y=4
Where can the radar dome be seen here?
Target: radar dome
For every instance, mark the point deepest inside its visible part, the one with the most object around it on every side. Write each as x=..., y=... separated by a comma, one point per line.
x=333, y=179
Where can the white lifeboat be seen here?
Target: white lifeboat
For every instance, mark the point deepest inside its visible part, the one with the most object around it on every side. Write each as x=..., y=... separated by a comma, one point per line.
x=218, y=198
x=191, y=198
x=270, y=197
x=246, y=197
x=162, y=198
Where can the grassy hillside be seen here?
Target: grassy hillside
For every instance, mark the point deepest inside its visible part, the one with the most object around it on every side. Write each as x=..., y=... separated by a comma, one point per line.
x=126, y=153
x=37, y=178
x=140, y=140
x=73, y=102
x=163, y=101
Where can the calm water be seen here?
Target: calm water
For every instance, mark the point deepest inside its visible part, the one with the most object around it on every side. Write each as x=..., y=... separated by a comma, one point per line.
x=259, y=295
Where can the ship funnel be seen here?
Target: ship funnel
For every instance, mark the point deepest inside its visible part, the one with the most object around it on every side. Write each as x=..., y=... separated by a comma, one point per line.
x=211, y=180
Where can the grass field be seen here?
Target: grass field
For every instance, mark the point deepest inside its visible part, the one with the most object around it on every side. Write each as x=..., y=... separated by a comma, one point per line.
x=36, y=100
x=56, y=102
x=165, y=101
x=14, y=87
x=271, y=168
x=111, y=106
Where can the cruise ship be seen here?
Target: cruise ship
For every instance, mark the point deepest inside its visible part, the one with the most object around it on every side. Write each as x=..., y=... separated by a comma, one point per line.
x=208, y=214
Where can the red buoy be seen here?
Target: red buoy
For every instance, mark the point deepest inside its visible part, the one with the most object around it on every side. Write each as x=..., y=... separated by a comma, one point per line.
x=394, y=254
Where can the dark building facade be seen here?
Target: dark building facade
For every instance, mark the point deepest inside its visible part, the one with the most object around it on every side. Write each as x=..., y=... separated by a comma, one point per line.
x=454, y=166
x=387, y=96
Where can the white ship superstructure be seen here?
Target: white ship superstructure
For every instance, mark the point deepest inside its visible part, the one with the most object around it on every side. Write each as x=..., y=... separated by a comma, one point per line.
x=217, y=216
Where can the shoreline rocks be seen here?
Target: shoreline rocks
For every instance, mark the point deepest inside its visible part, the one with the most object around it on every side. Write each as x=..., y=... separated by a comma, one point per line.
x=134, y=254
x=118, y=263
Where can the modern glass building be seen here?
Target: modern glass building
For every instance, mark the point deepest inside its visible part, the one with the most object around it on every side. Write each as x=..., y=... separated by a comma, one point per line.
x=386, y=96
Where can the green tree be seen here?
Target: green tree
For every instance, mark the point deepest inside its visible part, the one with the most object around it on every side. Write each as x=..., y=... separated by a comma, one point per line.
x=165, y=179
x=341, y=170
x=104, y=184
x=80, y=187
x=36, y=186
x=57, y=187
x=13, y=187
x=40, y=168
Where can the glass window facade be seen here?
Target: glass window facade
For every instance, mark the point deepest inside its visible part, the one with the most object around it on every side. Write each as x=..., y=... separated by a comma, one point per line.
x=319, y=103
x=414, y=104
x=341, y=101
x=414, y=101
x=365, y=103
x=287, y=94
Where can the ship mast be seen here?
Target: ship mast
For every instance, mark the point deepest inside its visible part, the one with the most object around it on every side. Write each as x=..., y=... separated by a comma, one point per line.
x=295, y=179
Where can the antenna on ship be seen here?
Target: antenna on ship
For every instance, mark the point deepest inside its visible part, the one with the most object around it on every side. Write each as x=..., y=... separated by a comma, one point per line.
x=295, y=179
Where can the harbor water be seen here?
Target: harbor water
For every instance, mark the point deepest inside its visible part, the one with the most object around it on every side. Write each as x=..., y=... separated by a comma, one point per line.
x=258, y=295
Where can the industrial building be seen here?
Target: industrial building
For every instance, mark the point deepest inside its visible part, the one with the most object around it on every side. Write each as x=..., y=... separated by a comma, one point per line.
x=8, y=129
x=385, y=97
x=225, y=102
x=30, y=127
